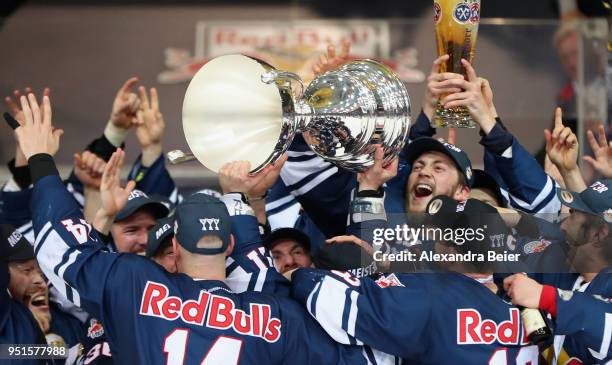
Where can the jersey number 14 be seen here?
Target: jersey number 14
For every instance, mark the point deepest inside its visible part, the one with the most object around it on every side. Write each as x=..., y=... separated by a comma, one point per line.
x=224, y=351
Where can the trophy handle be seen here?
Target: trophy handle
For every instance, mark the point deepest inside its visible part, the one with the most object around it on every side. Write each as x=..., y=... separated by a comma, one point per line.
x=283, y=80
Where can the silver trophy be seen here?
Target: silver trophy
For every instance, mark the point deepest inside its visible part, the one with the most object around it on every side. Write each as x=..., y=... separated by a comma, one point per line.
x=241, y=108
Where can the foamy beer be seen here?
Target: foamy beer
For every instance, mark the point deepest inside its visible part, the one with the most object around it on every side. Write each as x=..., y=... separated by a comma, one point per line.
x=456, y=24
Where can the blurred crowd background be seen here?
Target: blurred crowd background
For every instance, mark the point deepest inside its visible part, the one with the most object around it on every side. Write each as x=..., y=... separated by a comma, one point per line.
x=536, y=54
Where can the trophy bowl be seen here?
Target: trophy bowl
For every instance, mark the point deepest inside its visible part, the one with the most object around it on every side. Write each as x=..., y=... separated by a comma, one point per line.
x=241, y=108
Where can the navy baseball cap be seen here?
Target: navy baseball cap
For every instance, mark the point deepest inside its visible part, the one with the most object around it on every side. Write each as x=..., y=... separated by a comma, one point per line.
x=13, y=245
x=287, y=233
x=157, y=235
x=426, y=144
x=595, y=200
x=138, y=200
x=200, y=215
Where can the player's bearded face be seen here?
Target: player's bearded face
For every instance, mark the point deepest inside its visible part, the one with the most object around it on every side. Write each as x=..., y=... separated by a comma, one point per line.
x=580, y=238
x=28, y=286
x=130, y=234
x=433, y=173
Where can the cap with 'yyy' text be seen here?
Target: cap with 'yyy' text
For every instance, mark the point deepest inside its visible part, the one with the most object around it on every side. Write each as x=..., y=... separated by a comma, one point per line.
x=201, y=215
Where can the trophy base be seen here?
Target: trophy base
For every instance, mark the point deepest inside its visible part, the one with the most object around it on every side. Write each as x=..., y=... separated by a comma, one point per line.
x=458, y=117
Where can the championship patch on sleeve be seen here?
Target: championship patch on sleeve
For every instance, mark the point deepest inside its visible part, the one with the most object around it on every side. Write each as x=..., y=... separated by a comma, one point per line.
x=95, y=329
x=387, y=281
x=536, y=246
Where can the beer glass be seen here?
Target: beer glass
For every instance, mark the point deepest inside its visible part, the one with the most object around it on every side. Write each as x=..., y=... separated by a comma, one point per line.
x=456, y=23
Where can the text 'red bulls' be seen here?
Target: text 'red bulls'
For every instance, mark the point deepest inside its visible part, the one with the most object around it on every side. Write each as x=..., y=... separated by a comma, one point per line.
x=473, y=329
x=211, y=311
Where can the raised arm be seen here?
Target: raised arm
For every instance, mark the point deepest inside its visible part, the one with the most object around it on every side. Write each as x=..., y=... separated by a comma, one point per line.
x=149, y=171
x=61, y=231
x=527, y=186
x=249, y=266
x=602, y=149
x=366, y=215
x=562, y=148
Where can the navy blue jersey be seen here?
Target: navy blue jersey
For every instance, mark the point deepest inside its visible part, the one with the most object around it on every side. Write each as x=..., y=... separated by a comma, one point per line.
x=584, y=314
x=434, y=318
x=96, y=349
x=583, y=326
x=68, y=327
x=154, y=317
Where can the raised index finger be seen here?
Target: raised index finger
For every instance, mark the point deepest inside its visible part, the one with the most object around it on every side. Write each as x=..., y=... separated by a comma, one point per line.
x=558, y=117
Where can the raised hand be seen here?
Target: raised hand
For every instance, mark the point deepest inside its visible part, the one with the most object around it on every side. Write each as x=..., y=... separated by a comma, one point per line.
x=151, y=126
x=561, y=145
x=114, y=197
x=602, y=151
x=125, y=106
x=151, y=121
x=473, y=97
x=89, y=168
x=12, y=104
x=36, y=134
x=259, y=190
x=330, y=60
x=436, y=87
x=234, y=177
x=487, y=93
x=377, y=174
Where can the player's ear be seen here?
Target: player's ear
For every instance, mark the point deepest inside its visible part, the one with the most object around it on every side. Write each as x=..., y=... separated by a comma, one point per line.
x=601, y=233
x=462, y=193
x=175, y=249
x=230, y=247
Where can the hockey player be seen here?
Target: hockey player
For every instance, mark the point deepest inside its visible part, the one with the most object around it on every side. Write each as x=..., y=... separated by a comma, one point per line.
x=582, y=312
x=191, y=317
x=451, y=316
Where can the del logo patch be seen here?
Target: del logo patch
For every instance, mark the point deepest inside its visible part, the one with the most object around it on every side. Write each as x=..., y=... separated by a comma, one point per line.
x=535, y=246
x=95, y=329
x=387, y=281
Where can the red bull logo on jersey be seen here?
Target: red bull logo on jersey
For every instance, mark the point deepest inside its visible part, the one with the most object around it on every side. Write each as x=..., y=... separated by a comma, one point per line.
x=472, y=329
x=212, y=311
